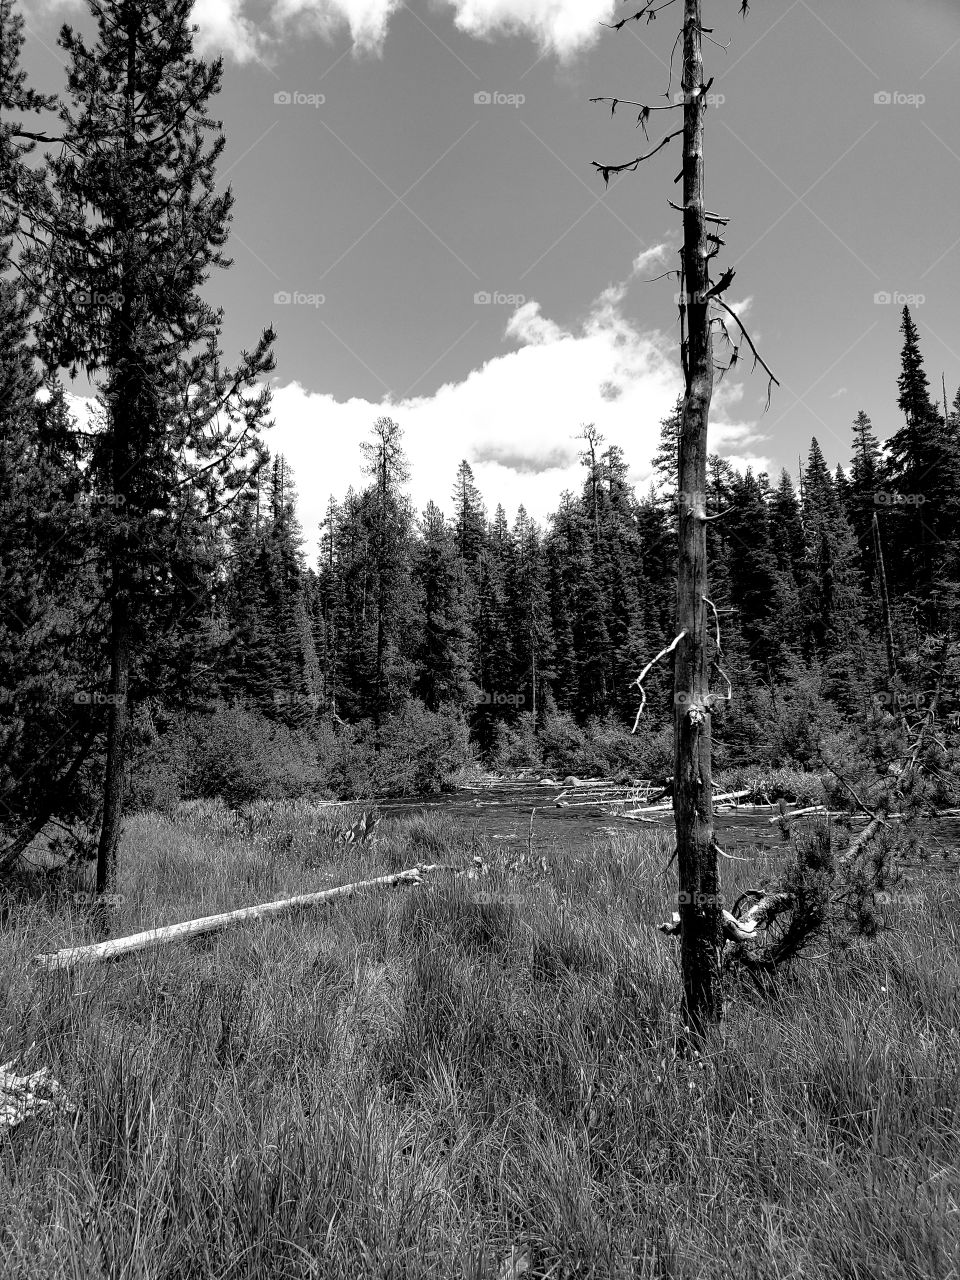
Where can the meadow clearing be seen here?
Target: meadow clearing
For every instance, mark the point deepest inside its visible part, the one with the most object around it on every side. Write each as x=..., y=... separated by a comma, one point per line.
x=474, y=1077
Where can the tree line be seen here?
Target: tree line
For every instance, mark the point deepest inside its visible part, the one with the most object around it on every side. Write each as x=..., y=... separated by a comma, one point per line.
x=152, y=563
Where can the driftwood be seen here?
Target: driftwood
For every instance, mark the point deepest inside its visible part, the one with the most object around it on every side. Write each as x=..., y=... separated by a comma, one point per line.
x=70, y=956
x=796, y=813
x=667, y=808
x=24, y=1096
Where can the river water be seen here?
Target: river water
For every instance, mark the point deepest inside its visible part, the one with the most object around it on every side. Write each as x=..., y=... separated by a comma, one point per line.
x=501, y=810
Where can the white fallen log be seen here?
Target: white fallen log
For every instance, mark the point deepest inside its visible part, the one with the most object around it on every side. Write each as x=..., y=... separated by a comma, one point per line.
x=796, y=813
x=24, y=1096
x=70, y=956
x=667, y=808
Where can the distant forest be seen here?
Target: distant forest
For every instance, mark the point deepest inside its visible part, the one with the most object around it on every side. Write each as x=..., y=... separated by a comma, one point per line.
x=161, y=625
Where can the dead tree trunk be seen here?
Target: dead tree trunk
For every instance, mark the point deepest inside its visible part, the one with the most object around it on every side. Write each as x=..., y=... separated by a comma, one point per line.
x=700, y=934
x=700, y=916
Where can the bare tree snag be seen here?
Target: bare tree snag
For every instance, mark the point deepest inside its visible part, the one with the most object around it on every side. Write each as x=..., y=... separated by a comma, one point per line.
x=699, y=881
x=700, y=919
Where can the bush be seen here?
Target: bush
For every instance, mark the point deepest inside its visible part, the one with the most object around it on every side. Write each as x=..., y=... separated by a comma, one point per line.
x=516, y=746
x=767, y=785
x=416, y=751
x=232, y=753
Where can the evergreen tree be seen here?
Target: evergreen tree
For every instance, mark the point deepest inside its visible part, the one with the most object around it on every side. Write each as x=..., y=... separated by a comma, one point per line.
x=866, y=480
x=666, y=461
x=529, y=613
x=753, y=569
x=389, y=524
x=47, y=717
x=136, y=228
x=469, y=519
x=495, y=662
x=923, y=501
x=831, y=591
x=442, y=655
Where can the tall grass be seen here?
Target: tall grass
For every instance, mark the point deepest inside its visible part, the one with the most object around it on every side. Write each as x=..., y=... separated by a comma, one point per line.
x=415, y=1082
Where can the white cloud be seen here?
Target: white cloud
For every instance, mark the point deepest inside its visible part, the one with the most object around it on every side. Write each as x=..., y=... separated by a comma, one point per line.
x=224, y=29
x=651, y=257
x=514, y=418
x=562, y=27
x=366, y=20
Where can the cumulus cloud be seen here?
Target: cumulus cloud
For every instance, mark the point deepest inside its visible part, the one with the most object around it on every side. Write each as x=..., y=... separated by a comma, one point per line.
x=515, y=418
x=523, y=460
x=652, y=257
x=224, y=29
x=560, y=27
x=366, y=20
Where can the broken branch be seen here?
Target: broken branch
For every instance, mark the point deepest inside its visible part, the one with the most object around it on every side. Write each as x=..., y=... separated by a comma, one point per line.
x=757, y=358
x=606, y=169
x=640, y=678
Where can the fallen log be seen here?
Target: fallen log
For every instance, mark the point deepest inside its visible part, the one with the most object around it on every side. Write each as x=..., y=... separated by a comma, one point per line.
x=848, y=856
x=796, y=813
x=113, y=947
x=667, y=808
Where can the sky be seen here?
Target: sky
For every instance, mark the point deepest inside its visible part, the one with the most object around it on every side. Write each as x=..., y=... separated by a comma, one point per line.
x=418, y=216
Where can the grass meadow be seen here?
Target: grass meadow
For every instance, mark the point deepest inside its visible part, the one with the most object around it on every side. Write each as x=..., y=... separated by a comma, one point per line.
x=435, y=1082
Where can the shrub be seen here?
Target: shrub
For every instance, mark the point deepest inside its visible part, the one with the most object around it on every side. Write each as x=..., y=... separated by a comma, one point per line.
x=516, y=746
x=416, y=750
x=232, y=753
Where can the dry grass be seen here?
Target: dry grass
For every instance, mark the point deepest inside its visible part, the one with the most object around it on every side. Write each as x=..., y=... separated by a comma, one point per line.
x=410, y=1084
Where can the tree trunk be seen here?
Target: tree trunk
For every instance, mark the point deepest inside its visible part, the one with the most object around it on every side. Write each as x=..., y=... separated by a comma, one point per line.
x=117, y=723
x=700, y=918
x=124, y=373
x=885, y=602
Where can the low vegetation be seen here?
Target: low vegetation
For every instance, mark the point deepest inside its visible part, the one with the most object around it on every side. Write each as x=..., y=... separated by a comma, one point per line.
x=433, y=1080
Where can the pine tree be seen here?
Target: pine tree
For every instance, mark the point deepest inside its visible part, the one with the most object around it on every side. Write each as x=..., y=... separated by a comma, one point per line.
x=618, y=561
x=250, y=670
x=666, y=461
x=831, y=590
x=923, y=500
x=390, y=525
x=528, y=609
x=442, y=654
x=329, y=610
x=283, y=583
x=136, y=228
x=866, y=479
x=495, y=662
x=753, y=568
x=469, y=519
x=47, y=725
